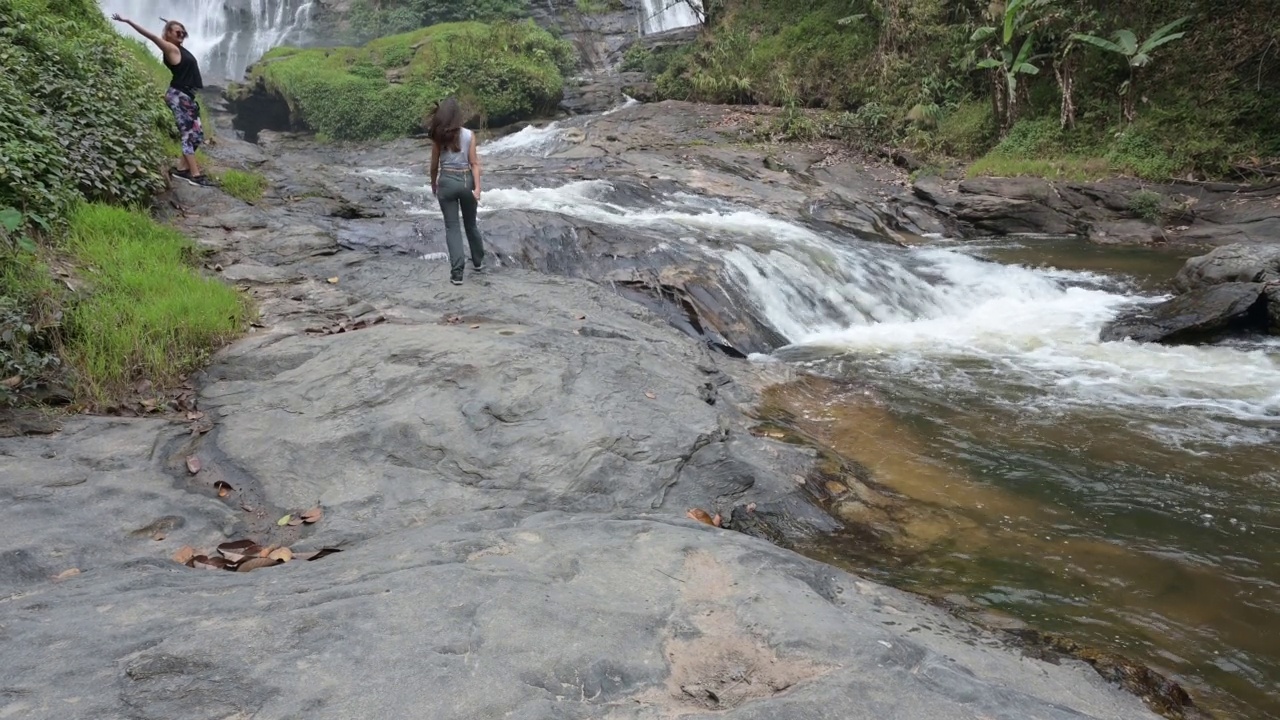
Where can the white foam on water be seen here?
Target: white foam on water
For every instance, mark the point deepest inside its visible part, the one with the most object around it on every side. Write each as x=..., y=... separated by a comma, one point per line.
x=950, y=318
x=529, y=140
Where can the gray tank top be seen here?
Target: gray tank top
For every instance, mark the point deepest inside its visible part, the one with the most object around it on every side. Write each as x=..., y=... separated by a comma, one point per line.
x=450, y=160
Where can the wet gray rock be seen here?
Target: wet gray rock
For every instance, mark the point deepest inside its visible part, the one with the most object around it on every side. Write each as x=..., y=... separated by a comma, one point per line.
x=451, y=613
x=1203, y=314
x=1230, y=264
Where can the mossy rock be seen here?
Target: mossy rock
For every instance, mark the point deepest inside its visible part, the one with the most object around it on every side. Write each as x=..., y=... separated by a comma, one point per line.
x=507, y=72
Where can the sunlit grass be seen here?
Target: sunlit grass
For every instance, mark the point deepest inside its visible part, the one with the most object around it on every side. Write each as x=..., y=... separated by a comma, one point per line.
x=248, y=186
x=149, y=314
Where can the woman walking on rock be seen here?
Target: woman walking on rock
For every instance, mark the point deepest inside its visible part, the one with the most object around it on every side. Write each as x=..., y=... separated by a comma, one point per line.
x=181, y=95
x=455, y=181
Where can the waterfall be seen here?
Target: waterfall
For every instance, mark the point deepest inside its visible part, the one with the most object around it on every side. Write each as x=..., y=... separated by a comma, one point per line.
x=225, y=35
x=662, y=15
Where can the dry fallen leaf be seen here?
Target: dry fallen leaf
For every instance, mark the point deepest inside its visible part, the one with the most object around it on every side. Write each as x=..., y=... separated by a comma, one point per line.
x=72, y=572
x=193, y=464
x=209, y=563
x=312, y=515
x=284, y=520
x=194, y=415
x=254, y=563
x=295, y=521
x=246, y=507
x=700, y=515
x=184, y=555
x=12, y=382
x=319, y=553
x=650, y=395
x=224, y=488
x=158, y=536
x=283, y=554
x=475, y=327
x=333, y=280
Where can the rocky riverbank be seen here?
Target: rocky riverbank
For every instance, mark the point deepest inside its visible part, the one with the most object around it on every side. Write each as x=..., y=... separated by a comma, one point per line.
x=506, y=468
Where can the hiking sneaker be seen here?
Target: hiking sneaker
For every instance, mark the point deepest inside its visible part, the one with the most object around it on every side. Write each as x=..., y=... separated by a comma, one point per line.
x=456, y=279
x=479, y=267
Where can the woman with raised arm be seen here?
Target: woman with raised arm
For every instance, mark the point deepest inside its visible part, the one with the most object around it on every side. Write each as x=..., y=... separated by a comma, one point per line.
x=455, y=181
x=181, y=95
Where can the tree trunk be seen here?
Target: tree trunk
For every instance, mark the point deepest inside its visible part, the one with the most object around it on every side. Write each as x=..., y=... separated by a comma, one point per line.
x=1064, y=71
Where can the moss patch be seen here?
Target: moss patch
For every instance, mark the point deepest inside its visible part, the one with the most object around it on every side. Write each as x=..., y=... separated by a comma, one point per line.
x=385, y=89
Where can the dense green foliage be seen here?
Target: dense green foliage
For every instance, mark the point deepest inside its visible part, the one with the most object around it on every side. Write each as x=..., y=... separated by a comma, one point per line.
x=505, y=71
x=377, y=18
x=150, y=314
x=78, y=115
x=932, y=78
x=83, y=126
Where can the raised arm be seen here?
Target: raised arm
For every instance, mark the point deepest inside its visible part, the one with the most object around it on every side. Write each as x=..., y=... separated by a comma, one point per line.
x=473, y=158
x=171, y=54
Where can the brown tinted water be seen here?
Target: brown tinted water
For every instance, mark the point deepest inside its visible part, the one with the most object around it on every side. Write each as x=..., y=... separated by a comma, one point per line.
x=1150, y=532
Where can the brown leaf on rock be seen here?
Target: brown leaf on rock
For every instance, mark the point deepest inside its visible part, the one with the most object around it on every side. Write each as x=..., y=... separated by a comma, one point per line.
x=193, y=464
x=224, y=488
x=700, y=515
x=209, y=563
x=650, y=395
x=236, y=545
x=283, y=554
x=313, y=515
x=194, y=415
x=184, y=555
x=255, y=563
x=295, y=521
x=317, y=554
x=68, y=573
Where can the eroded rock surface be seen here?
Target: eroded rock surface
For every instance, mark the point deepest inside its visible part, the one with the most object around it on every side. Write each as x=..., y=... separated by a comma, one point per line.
x=505, y=467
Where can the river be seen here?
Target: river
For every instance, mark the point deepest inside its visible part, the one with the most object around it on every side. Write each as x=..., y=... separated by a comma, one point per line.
x=1124, y=495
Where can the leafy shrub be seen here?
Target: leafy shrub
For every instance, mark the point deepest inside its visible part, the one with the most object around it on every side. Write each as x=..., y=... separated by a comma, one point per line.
x=507, y=72
x=968, y=130
x=379, y=18
x=78, y=113
x=1147, y=205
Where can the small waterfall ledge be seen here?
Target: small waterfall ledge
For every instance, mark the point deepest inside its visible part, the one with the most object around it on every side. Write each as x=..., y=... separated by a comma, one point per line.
x=660, y=16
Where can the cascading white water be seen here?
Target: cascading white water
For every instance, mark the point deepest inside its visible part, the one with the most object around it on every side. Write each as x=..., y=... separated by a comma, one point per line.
x=957, y=319
x=226, y=35
x=658, y=16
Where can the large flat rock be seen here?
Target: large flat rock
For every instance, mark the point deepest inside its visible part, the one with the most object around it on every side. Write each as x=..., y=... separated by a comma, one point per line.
x=509, y=501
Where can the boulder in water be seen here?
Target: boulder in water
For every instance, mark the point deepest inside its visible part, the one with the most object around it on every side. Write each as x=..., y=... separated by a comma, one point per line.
x=1199, y=315
x=1236, y=263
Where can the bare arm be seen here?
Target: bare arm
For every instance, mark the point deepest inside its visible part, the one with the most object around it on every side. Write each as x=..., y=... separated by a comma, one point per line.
x=435, y=167
x=172, y=56
x=473, y=158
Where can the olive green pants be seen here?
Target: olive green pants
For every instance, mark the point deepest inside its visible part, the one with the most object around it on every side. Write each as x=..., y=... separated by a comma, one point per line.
x=454, y=194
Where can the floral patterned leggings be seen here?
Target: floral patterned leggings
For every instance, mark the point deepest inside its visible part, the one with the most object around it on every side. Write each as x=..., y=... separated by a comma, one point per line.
x=186, y=111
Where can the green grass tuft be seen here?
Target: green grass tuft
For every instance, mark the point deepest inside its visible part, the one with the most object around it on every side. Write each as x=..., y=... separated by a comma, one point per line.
x=248, y=186
x=150, y=314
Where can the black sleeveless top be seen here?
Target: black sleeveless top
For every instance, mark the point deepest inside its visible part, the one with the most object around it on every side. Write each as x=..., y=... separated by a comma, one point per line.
x=186, y=74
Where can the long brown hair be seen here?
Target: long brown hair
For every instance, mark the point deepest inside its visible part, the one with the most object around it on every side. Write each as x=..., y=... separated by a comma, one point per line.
x=445, y=128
